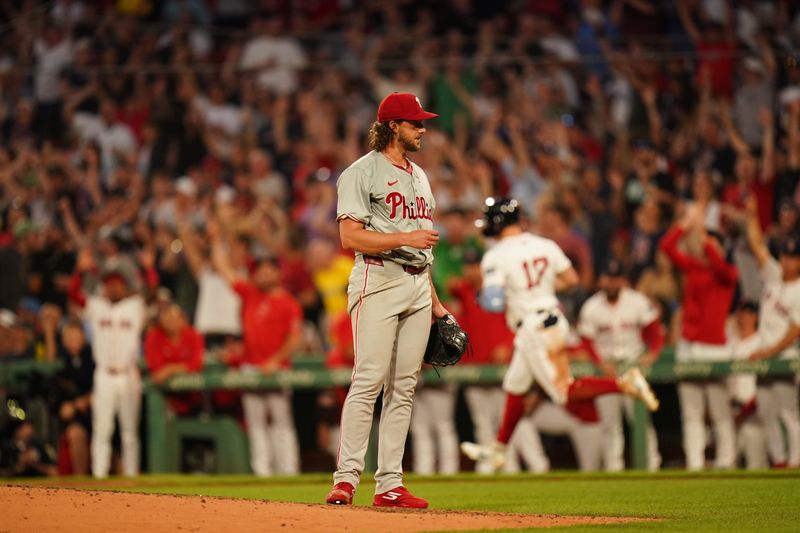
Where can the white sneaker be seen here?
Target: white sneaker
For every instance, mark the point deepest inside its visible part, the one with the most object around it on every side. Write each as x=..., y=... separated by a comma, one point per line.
x=633, y=383
x=494, y=455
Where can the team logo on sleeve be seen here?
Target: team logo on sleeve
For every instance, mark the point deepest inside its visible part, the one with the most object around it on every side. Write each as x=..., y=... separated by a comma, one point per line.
x=412, y=210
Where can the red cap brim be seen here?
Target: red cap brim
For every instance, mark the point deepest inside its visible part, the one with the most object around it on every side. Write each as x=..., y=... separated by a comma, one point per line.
x=422, y=115
x=114, y=276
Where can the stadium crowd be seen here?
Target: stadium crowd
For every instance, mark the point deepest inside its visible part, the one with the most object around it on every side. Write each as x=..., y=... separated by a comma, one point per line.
x=182, y=156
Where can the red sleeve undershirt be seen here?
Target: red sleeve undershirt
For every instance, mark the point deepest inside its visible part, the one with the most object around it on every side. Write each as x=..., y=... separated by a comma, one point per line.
x=653, y=336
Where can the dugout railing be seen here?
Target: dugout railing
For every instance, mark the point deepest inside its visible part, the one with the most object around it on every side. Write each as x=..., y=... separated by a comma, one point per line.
x=309, y=373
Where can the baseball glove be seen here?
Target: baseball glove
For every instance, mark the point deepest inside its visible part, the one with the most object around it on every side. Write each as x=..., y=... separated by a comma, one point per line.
x=447, y=342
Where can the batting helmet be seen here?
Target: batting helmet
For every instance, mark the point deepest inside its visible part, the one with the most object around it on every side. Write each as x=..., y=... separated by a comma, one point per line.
x=498, y=213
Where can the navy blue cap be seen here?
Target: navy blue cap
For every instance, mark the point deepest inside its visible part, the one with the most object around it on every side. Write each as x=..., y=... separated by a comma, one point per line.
x=614, y=269
x=748, y=305
x=790, y=246
x=471, y=256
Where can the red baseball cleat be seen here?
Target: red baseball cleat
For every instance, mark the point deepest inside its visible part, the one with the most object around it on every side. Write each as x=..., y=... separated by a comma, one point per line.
x=341, y=494
x=399, y=497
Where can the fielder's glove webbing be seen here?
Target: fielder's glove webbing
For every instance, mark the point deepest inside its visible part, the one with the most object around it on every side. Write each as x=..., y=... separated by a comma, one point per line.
x=447, y=342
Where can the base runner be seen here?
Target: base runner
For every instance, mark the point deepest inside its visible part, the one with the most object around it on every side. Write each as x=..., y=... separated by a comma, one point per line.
x=521, y=274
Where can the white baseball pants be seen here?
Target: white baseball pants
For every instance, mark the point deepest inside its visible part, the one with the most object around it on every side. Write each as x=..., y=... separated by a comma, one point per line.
x=611, y=407
x=119, y=396
x=485, y=405
x=751, y=444
x=531, y=360
x=433, y=430
x=778, y=403
x=693, y=396
x=585, y=437
x=525, y=448
x=271, y=433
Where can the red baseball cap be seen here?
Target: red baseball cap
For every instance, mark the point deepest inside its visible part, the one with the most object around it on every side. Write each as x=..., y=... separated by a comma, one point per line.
x=402, y=106
x=114, y=274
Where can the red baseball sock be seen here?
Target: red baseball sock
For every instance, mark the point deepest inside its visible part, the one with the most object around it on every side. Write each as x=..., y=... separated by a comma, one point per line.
x=583, y=410
x=512, y=412
x=591, y=387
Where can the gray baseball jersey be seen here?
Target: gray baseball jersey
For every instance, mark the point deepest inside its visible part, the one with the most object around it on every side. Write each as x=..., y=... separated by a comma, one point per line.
x=388, y=199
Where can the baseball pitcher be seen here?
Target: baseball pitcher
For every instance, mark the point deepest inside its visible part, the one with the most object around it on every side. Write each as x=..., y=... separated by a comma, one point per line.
x=385, y=214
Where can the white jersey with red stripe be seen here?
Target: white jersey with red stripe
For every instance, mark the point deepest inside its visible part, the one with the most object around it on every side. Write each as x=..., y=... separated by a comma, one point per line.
x=615, y=327
x=779, y=308
x=116, y=330
x=525, y=266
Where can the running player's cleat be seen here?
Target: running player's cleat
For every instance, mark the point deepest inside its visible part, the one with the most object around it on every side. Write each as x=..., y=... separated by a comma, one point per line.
x=399, y=497
x=494, y=455
x=632, y=382
x=341, y=494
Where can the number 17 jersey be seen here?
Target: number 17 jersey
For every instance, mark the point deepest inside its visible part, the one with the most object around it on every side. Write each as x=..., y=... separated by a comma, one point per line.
x=525, y=266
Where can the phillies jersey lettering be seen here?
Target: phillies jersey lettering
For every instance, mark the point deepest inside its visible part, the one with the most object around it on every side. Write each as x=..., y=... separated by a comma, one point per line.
x=388, y=199
x=525, y=266
x=419, y=208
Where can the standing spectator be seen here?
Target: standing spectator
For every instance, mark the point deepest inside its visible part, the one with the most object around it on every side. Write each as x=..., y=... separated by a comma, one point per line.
x=754, y=94
x=754, y=175
x=173, y=347
x=645, y=235
x=660, y=284
x=218, y=310
x=716, y=46
x=271, y=326
x=115, y=138
x=274, y=57
x=454, y=244
x=555, y=225
x=778, y=329
x=74, y=385
x=620, y=325
x=116, y=317
x=708, y=293
x=330, y=271
x=53, y=53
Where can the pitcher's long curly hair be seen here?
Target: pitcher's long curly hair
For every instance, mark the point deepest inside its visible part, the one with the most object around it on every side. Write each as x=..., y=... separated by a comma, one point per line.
x=380, y=136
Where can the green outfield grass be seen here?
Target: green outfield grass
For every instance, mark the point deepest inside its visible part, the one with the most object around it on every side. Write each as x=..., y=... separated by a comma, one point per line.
x=730, y=502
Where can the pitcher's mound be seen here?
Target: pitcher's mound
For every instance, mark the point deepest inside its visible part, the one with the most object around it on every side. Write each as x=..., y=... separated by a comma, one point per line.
x=44, y=509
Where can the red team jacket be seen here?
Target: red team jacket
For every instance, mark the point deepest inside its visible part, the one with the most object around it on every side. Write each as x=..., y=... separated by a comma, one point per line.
x=708, y=292
x=486, y=330
x=160, y=351
x=340, y=354
x=267, y=321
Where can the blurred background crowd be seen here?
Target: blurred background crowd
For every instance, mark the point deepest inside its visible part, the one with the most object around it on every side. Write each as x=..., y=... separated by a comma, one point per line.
x=134, y=134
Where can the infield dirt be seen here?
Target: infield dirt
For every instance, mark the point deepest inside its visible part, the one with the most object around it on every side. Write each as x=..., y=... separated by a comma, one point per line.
x=55, y=509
